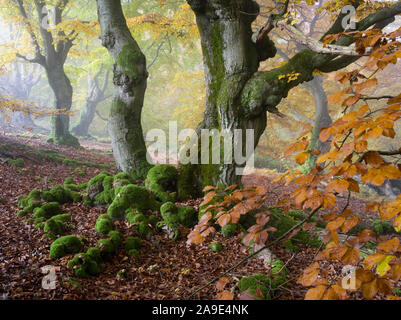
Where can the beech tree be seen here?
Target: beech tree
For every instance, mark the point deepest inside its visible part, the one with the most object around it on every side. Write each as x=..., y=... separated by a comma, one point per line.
x=96, y=94
x=238, y=96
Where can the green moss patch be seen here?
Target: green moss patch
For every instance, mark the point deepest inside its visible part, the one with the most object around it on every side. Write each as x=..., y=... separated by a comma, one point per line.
x=162, y=182
x=65, y=245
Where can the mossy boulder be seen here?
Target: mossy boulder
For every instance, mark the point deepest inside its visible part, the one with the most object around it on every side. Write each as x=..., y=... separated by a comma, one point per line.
x=215, y=246
x=116, y=238
x=95, y=185
x=283, y=222
x=107, y=248
x=229, y=230
x=269, y=285
x=61, y=195
x=55, y=225
x=19, y=162
x=65, y=245
x=134, y=253
x=104, y=224
x=46, y=211
x=134, y=197
x=254, y=282
x=29, y=203
x=86, y=264
x=162, y=182
x=172, y=214
x=132, y=243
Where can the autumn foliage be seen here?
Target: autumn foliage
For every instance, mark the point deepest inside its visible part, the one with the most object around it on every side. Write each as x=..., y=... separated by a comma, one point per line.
x=335, y=174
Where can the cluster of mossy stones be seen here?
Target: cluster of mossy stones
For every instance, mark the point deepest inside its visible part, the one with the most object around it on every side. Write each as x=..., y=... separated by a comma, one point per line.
x=137, y=204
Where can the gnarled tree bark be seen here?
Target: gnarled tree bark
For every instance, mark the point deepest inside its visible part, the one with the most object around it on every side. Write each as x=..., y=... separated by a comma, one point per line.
x=130, y=80
x=238, y=96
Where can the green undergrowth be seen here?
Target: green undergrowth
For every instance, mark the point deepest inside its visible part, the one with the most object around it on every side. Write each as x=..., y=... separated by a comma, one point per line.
x=265, y=286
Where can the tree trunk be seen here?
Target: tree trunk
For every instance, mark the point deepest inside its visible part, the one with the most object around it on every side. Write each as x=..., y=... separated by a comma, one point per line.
x=130, y=80
x=238, y=96
x=62, y=89
x=95, y=96
x=230, y=60
x=322, y=120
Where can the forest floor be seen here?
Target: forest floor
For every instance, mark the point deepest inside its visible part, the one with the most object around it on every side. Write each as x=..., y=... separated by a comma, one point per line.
x=164, y=269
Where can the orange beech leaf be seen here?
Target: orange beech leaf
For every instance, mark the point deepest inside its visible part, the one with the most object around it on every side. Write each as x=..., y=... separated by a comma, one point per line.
x=208, y=188
x=373, y=158
x=373, y=259
x=335, y=224
x=329, y=201
x=337, y=185
x=390, y=172
x=350, y=101
x=224, y=220
x=388, y=246
x=302, y=157
x=366, y=235
x=232, y=187
x=369, y=289
x=364, y=85
x=351, y=257
x=384, y=286
x=349, y=224
x=340, y=292
x=222, y=283
x=361, y=146
x=315, y=293
x=208, y=197
x=337, y=97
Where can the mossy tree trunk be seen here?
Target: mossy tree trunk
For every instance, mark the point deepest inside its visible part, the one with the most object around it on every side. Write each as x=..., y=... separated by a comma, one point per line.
x=238, y=96
x=130, y=80
x=52, y=54
x=96, y=94
x=322, y=120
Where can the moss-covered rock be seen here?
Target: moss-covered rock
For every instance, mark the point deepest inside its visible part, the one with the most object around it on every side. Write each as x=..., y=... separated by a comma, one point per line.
x=132, y=243
x=134, y=217
x=55, y=225
x=65, y=245
x=215, y=246
x=144, y=229
x=19, y=162
x=86, y=264
x=254, y=282
x=104, y=224
x=229, y=230
x=134, y=253
x=162, y=182
x=46, y=211
x=95, y=185
x=29, y=203
x=116, y=238
x=134, y=197
x=172, y=214
x=107, y=249
x=61, y=195
x=283, y=222
x=171, y=229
